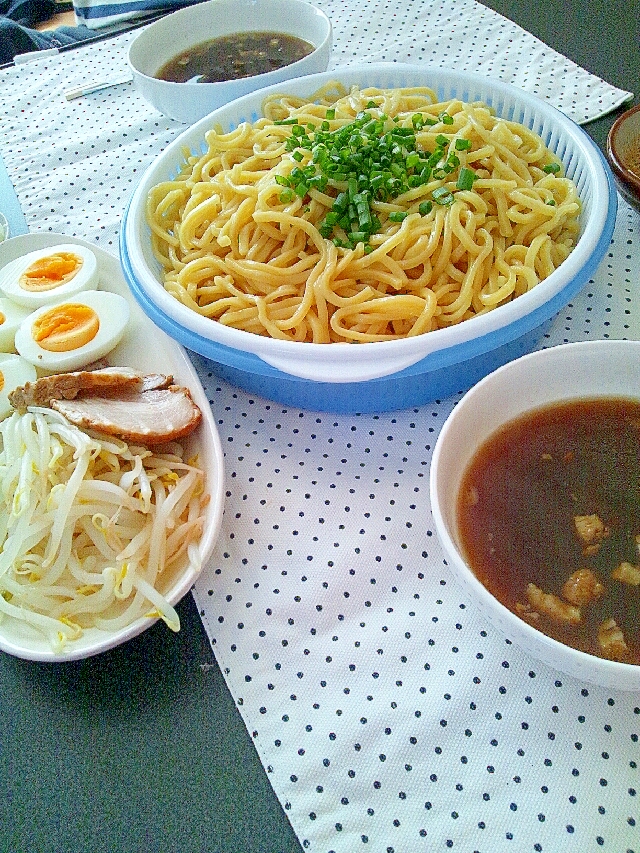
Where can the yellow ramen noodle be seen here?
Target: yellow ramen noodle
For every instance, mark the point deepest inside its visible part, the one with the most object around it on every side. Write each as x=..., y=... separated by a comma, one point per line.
x=240, y=243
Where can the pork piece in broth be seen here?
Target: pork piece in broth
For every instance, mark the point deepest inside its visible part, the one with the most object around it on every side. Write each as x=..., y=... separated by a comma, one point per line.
x=549, y=518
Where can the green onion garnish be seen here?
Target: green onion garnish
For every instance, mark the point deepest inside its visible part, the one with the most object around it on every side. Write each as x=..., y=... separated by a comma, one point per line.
x=442, y=195
x=466, y=178
x=552, y=168
x=371, y=159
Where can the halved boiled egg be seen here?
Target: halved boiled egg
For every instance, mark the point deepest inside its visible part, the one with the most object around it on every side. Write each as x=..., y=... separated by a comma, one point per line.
x=15, y=371
x=11, y=315
x=73, y=333
x=49, y=275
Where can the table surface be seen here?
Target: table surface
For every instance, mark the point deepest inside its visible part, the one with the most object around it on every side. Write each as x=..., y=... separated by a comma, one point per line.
x=81, y=772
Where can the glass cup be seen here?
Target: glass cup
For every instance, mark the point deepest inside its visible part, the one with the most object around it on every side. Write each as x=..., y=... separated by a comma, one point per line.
x=4, y=228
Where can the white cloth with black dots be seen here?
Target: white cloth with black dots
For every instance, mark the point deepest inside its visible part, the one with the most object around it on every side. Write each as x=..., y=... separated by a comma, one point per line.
x=388, y=714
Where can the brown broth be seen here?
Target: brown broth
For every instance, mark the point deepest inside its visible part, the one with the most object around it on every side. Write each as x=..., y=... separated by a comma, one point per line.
x=234, y=56
x=518, y=501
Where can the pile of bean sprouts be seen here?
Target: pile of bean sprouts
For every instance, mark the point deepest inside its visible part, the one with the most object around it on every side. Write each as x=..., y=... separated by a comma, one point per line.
x=89, y=526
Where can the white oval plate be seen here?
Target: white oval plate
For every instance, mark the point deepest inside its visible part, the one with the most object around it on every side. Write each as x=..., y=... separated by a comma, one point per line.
x=145, y=348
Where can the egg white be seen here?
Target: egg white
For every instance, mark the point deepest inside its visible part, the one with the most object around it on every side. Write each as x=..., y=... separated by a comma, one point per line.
x=11, y=315
x=15, y=371
x=86, y=277
x=113, y=312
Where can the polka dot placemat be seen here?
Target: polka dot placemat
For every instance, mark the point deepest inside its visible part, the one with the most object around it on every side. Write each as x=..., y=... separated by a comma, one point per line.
x=387, y=713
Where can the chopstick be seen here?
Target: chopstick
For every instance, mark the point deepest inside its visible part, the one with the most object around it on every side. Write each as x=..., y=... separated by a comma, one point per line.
x=79, y=91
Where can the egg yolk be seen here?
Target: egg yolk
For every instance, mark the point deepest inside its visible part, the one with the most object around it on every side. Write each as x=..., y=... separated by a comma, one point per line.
x=65, y=327
x=50, y=271
x=1, y=380
x=2, y=318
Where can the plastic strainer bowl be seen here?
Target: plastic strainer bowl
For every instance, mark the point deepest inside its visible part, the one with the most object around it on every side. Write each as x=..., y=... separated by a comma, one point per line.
x=392, y=374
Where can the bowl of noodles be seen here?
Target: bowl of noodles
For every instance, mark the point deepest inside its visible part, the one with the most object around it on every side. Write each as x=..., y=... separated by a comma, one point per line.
x=435, y=221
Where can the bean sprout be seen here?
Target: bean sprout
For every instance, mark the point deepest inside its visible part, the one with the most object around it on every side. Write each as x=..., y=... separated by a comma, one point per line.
x=91, y=528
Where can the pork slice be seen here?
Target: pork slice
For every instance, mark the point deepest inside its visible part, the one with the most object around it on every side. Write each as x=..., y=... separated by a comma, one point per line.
x=151, y=416
x=68, y=386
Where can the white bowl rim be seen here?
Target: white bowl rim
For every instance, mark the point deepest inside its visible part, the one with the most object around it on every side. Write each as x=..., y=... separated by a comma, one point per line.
x=596, y=670
x=367, y=360
x=188, y=12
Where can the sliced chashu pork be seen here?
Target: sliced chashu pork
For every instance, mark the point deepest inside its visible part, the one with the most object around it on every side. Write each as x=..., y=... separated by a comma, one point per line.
x=108, y=381
x=150, y=417
x=116, y=401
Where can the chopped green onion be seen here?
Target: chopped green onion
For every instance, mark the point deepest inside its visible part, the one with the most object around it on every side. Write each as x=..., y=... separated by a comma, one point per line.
x=370, y=159
x=442, y=195
x=466, y=178
x=552, y=168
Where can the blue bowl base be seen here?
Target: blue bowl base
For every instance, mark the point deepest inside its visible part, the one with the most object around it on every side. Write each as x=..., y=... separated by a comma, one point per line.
x=404, y=390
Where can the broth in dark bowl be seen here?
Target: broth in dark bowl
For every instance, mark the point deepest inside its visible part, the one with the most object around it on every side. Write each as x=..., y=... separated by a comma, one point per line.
x=549, y=521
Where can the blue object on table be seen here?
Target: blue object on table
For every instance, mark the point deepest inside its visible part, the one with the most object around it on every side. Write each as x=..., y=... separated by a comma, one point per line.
x=437, y=376
x=17, y=19
x=16, y=39
x=99, y=13
x=10, y=206
x=28, y=12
